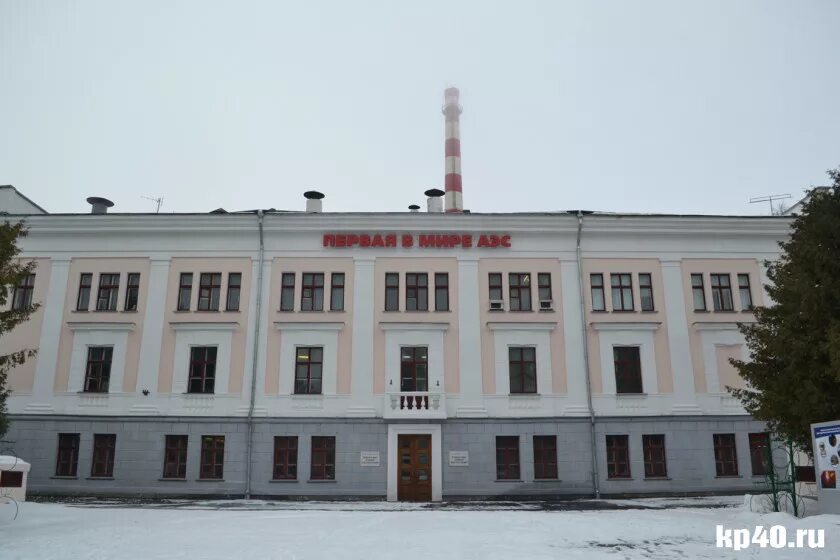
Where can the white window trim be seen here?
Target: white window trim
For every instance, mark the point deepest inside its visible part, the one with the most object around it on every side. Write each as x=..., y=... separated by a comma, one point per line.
x=644, y=339
x=394, y=430
x=309, y=335
x=186, y=339
x=395, y=340
x=82, y=340
x=538, y=338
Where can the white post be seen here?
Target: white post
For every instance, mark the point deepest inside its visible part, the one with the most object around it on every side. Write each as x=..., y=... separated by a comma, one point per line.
x=153, y=326
x=682, y=369
x=471, y=398
x=574, y=342
x=361, y=371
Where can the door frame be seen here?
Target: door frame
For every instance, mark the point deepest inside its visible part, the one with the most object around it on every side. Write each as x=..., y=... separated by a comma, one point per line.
x=395, y=430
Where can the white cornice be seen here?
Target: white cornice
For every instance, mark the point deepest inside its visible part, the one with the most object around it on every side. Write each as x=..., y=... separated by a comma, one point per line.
x=204, y=326
x=647, y=326
x=710, y=326
x=100, y=326
x=523, y=326
x=414, y=326
x=308, y=326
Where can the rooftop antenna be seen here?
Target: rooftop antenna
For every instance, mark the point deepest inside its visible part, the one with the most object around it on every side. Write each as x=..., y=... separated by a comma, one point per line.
x=158, y=201
x=777, y=211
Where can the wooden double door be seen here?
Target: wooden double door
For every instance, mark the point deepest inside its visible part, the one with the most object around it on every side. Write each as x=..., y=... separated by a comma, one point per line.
x=414, y=468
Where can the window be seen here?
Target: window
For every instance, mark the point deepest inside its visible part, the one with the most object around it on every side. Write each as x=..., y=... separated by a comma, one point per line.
x=416, y=291
x=726, y=458
x=544, y=290
x=234, y=289
x=596, y=282
x=287, y=292
x=698, y=292
x=628, y=370
x=653, y=448
x=520, y=291
x=545, y=457
x=414, y=368
x=109, y=289
x=104, y=446
x=721, y=292
x=496, y=291
x=68, y=455
x=744, y=290
x=209, y=291
x=83, y=299
x=622, y=292
x=285, y=458
x=337, y=291
x=202, y=370
x=132, y=292
x=646, y=291
x=175, y=457
x=618, y=457
x=523, y=369
x=308, y=370
x=98, y=371
x=323, y=458
x=185, y=291
x=212, y=457
x=11, y=479
x=441, y=291
x=507, y=458
x=760, y=453
x=22, y=297
x=392, y=291
x=312, y=291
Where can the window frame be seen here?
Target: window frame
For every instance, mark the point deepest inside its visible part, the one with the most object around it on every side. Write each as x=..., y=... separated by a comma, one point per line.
x=419, y=360
x=599, y=289
x=209, y=293
x=211, y=465
x=496, y=288
x=720, y=292
x=655, y=457
x=698, y=290
x=618, y=456
x=725, y=466
x=508, y=464
x=322, y=454
x=24, y=292
x=104, y=452
x=623, y=374
x=337, y=285
x=108, y=291
x=624, y=291
x=85, y=284
x=392, y=291
x=309, y=379
x=175, y=456
x=67, y=455
x=545, y=457
x=646, y=287
x=441, y=291
x=522, y=287
x=745, y=289
x=206, y=381
x=544, y=288
x=185, y=282
x=523, y=365
x=98, y=369
x=234, y=291
x=287, y=291
x=285, y=462
x=759, y=444
x=312, y=291
x=417, y=291
x=132, y=291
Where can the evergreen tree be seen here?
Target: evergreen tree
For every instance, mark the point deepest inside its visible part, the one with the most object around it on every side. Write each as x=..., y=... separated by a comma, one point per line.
x=794, y=372
x=13, y=272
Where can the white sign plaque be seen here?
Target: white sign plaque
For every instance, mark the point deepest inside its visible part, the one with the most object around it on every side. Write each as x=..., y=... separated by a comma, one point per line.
x=459, y=458
x=369, y=459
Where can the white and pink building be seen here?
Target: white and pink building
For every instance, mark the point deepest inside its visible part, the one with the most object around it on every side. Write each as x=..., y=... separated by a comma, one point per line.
x=407, y=355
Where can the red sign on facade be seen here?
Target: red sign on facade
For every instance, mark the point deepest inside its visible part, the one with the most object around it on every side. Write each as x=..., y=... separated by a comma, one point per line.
x=422, y=240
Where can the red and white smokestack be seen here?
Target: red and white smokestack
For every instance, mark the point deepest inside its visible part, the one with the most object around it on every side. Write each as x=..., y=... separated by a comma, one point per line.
x=454, y=199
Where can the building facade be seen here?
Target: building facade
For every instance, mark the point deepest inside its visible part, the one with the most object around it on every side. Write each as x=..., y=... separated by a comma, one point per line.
x=416, y=356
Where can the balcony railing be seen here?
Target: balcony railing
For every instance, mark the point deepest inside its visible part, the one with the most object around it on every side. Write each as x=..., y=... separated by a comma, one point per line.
x=414, y=404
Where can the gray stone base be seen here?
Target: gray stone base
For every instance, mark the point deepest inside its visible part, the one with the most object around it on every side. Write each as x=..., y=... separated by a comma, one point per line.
x=140, y=446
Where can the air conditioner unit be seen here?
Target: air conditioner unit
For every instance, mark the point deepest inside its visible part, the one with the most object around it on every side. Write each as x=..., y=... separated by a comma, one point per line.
x=546, y=304
x=496, y=305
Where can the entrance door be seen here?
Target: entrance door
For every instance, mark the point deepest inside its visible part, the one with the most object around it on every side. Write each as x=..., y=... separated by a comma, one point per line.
x=415, y=468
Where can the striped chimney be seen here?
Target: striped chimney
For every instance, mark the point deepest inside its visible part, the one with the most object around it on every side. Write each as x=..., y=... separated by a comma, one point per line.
x=454, y=200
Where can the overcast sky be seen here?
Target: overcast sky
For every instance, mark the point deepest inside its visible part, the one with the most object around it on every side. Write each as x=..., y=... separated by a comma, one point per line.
x=671, y=106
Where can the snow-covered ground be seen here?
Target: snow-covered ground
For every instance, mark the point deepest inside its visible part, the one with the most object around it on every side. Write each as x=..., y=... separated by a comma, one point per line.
x=374, y=530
